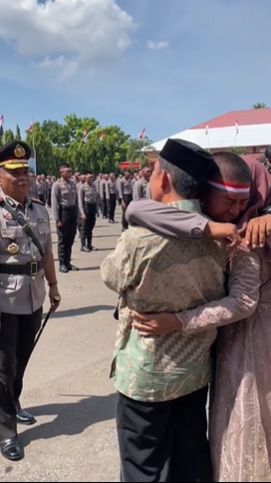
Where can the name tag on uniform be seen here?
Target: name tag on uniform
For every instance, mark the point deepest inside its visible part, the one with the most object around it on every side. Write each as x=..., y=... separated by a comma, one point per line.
x=12, y=233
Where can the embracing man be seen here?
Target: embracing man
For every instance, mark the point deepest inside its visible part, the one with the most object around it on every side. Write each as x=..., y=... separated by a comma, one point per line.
x=162, y=383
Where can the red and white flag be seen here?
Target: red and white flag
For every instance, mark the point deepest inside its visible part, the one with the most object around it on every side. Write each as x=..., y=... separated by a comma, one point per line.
x=237, y=127
x=102, y=136
x=141, y=135
x=1, y=125
x=206, y=129
x=29, y=130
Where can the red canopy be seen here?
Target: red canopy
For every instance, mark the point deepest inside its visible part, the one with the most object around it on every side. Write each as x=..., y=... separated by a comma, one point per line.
x=128, y=165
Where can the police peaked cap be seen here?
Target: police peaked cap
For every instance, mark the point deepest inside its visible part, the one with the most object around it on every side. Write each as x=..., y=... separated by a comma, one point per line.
x=189, y=157
x=15, y=155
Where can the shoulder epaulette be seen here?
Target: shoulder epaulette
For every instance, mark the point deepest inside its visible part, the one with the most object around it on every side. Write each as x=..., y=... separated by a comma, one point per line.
x=35, y=200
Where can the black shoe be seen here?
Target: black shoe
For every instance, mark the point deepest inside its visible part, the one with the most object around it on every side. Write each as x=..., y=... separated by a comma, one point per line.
x=85, y=249
x=63, y=269
x=11, y=449
x=72, y=268
x=23, y=417
x=93, y=249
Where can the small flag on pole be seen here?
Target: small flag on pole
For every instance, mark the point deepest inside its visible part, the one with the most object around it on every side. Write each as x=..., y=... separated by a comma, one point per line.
x=1, y=125
x=29, y=130
x=206, y=129
x=237, y=127
x=102, y=136
x=141, y=135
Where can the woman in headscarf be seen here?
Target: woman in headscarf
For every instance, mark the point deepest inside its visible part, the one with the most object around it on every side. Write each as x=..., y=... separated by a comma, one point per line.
x=240, y=427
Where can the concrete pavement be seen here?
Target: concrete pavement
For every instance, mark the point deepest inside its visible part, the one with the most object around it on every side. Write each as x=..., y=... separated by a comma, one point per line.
x=67, y=384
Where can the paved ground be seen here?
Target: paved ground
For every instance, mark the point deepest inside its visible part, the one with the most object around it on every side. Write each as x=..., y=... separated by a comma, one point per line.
x=67, y=385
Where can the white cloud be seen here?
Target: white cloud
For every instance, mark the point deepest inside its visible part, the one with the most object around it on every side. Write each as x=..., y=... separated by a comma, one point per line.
x=66, y=34
x=163, y=44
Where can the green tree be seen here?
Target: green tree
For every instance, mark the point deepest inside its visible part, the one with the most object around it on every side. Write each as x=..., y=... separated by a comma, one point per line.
x=135, y=153
x=260, y=105
x=43, y=149
x=18, y=133
x=8, y=136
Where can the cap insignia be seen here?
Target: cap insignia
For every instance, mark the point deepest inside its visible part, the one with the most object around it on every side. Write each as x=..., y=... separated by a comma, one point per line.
x=19, y=152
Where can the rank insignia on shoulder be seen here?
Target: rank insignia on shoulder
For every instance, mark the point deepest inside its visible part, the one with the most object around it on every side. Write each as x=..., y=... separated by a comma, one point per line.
x=35, y=200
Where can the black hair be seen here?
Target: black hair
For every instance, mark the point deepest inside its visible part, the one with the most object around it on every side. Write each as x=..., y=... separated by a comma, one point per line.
x=182, y=182
x=229, y=166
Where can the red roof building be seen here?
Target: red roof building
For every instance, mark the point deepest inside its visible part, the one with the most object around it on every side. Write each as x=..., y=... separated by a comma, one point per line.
x=249, y=130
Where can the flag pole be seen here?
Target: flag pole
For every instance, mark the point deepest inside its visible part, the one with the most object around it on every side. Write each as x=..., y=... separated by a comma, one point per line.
x=33, y=143
x=236, y=132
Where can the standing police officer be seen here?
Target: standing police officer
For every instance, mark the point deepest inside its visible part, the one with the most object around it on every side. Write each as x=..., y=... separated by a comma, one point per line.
x=25, y=257
x=65, y=212
x=88, y=200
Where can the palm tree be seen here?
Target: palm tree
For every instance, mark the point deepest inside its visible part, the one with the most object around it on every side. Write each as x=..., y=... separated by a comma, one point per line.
x=260, y=105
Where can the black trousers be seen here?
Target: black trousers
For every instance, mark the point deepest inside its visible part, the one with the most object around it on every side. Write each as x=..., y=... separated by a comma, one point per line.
x=112, y=206
x=164, y=442
x=88, y=225
x=105, y=207
x=17, y=337
x=66, y=234
x=42, y=198
x=127, y=199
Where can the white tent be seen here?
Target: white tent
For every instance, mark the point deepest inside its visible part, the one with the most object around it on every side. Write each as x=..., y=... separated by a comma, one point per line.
x=240, y=133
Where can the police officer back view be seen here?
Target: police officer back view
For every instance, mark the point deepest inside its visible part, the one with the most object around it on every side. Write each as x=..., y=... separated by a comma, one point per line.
x=25, y=257
x=65, y=212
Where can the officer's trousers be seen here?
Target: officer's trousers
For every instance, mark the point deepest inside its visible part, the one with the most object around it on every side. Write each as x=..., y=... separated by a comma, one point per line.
x=17, y=337
x=88, y=224
x=66, y=234
x=164, y=442
x=127, y=199
x=112, y=206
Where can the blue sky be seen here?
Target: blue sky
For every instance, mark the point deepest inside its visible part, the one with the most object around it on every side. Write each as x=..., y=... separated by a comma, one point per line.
x=163, y=65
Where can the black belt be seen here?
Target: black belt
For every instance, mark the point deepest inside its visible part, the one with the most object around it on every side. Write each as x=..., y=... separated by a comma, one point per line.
x=30, y=268
x=68, y=208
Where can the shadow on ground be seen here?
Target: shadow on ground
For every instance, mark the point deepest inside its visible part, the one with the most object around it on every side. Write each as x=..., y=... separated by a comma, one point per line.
x=106, y=236
x=70, y=418
x=92, y=309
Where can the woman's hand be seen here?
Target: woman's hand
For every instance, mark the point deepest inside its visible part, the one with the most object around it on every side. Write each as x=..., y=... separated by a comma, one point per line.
x=150, y=325
x=258, y=230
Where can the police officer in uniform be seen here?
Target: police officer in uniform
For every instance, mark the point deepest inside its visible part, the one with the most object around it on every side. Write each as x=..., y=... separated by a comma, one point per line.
x=25, y=258
x=65, y=212
x=88, y=200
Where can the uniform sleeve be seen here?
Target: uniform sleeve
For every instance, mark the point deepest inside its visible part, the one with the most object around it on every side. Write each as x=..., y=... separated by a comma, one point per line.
x=241, y=303
x=81, y=195
x=117, y=270
x=121, y=190
x=166, y=220
x=137, y=191
x=55, y=201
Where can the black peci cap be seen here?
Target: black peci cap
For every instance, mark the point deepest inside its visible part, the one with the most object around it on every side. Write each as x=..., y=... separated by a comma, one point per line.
x=189, y=157
x=15, y=155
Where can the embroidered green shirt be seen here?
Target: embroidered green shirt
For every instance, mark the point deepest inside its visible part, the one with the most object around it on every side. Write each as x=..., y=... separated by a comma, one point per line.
x=158, y=274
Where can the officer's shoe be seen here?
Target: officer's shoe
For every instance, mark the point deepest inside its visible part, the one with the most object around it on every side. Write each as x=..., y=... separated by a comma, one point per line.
x=85, y=249
x=11, y=449
x=72, y=268
x=63, y=269
x=23, y=417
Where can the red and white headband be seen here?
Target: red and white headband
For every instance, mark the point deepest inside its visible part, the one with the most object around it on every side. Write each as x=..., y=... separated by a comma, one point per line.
x=230, y=187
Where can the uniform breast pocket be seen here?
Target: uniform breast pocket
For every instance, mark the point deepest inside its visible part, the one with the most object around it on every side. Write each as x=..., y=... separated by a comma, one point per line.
x=43, y=228
x=8, y=283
